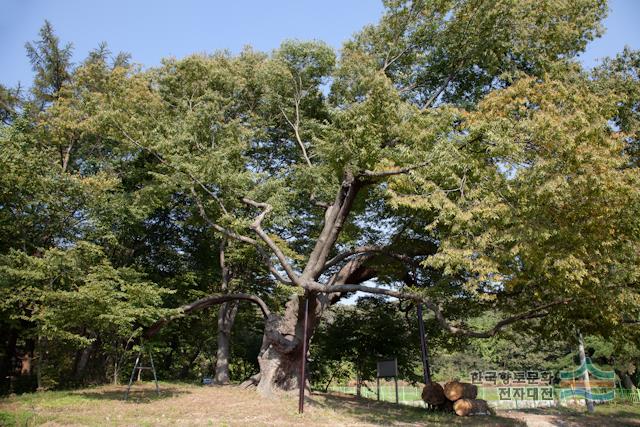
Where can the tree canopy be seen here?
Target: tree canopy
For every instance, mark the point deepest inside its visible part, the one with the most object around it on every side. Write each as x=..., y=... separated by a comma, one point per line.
x=454, y=155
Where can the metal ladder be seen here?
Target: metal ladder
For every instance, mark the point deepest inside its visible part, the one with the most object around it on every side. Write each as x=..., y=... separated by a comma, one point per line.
x=137, y=368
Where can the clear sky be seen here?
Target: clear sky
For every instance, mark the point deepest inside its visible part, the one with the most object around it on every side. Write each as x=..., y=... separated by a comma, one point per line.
x=151, y=30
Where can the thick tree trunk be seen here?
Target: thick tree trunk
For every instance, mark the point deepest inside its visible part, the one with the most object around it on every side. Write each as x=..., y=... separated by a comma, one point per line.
x=42, y=354
x=82, y=359
x=280, y=357
x=226, y=318
x=626, y=380
x=7, y=361
x=281, y=353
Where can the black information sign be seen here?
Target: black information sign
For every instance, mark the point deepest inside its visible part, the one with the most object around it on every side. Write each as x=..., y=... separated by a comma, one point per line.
x=388, y=368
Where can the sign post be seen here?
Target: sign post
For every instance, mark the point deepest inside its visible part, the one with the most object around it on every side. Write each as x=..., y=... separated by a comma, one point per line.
x=303, y=359
x=387, y=369
x=423, y=348
x=587, y=385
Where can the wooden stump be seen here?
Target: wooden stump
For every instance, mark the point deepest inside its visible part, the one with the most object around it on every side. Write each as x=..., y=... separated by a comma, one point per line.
x=433, y=394
x=464, y=407
x=455, y=390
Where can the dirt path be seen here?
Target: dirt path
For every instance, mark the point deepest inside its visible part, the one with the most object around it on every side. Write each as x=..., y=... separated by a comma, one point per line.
x=551, y=417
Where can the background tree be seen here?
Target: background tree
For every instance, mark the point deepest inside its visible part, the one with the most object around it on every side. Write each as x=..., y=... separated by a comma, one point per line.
x=361, y=335
x=51, y=63
x=434, y=115
x=454, y=155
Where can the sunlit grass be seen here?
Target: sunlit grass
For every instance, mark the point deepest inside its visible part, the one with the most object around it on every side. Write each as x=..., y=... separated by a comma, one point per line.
x=189, y=404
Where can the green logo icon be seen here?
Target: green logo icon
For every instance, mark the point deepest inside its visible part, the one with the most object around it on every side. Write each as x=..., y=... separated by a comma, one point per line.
x=601, y=383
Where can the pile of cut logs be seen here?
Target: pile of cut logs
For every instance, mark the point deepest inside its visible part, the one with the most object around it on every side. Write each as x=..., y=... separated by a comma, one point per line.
x=455, y=397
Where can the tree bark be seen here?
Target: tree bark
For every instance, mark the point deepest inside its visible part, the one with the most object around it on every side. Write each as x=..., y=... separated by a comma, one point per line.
x=226, y=318
x=82, y=360
x=66, y=156
x=7, y=362
x=116, y=372
x=626, y=380
x=42, y=353
x=280, y=356
x=587, y=386
x=26, y=366
x=281, y=352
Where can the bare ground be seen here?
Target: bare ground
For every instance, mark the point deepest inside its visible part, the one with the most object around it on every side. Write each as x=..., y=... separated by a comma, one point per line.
x=189, y=405
x=609, y=416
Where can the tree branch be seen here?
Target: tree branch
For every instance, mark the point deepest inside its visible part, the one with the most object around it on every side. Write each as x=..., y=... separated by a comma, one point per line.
x=164, y=162
x=257, y=227
x=388, y=62
x=391, y=172
x=218, y=227
x=535, y=312
x=207, y=302
x=334, y=219
x=223, y=265
x=239, y=237
x=296, y=130
x=344, y=255
x=439, y=91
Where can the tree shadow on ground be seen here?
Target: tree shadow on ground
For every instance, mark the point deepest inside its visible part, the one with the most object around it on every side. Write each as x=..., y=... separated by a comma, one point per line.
x=138, y=394
x=385, y=413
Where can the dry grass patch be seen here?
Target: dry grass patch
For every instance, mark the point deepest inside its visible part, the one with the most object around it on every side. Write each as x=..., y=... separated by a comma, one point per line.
x=189, y=405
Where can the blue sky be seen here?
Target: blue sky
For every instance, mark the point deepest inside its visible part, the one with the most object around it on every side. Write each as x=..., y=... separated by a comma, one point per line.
x=151, y=30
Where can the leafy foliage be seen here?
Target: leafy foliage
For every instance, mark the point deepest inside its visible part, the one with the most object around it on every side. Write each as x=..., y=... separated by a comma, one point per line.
x=453, y=154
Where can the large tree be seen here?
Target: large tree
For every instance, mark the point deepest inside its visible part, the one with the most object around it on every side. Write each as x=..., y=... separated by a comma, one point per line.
x=65, y=213
x=454, y=155
x=460, y=158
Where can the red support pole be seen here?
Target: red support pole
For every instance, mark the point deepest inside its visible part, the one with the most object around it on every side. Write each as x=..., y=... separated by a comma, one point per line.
x=303, y=359
x=423, y=347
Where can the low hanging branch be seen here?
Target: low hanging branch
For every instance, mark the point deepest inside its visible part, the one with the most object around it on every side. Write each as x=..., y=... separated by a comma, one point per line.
x=208, y=302
x=335, y=216
x=534, y=313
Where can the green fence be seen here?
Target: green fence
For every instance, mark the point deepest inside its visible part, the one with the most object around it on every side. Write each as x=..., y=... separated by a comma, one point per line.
x=627, y=396
x=411, y=395
x=407, y=395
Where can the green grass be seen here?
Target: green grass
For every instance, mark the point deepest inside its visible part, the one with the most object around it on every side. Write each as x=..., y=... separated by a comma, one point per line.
x=188, y=404
x=18, y=418
x=51, y=399
x=219, y=406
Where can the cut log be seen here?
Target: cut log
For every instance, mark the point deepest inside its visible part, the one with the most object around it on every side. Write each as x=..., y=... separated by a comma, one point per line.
x=433, y=394
x=464, y=407
x=455, y=390
x=447, y=407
